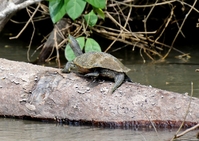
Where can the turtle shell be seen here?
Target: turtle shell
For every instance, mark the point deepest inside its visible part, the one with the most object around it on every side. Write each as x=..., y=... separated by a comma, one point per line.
x=92, y=60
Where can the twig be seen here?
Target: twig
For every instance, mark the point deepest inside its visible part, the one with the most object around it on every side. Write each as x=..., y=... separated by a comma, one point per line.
x=33, y=33
x=56, y=46
x=119, y=24
x=187, y=111
x=168, y=21
x=121, y=30
x=30, y=19
x=144, y=61
x=56, y=32
x=186, y=131
x=140, y=45
x=143, y=6
x=188, y=5
x=144, y=112
x=186, y=16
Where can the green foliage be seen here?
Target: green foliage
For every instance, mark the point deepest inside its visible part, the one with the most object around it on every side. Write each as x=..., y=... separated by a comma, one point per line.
x=97, y=3
x=92, y=45
x=69, y=54
x=91, y=18
x=88, y=46
x=99, y=12
x=74, y=8
x=57, y=9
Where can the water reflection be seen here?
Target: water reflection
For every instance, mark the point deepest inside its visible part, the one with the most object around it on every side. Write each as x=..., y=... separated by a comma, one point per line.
x=13, y=130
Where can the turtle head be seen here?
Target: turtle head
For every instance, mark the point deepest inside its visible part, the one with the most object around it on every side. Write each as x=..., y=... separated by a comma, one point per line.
x=70, y=66
x=74, y=46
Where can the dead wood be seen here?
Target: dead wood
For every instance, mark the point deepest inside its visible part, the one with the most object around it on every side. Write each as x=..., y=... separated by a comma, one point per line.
x=58, y=34
x=9, y=7
x=44, y=92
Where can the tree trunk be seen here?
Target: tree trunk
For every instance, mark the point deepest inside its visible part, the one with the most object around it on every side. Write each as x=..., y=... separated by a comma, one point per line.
x=43, y=92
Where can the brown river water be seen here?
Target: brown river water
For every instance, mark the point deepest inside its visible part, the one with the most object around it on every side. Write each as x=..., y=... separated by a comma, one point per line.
x=173, y=75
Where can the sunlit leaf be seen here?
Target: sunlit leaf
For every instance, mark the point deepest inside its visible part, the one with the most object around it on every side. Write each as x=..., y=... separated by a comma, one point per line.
x=69, y=54
x=91, y=18
x=92, y=45
x=74, y=8
x=97, y=3
x=57, y=9
x=99, y=12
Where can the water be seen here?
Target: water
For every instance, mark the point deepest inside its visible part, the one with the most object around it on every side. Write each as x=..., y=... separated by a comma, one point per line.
x=173, y=75
x=15, y=50
x=22, y=130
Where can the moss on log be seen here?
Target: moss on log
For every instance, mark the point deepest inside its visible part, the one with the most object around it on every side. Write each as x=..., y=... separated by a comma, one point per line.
x=34, y=91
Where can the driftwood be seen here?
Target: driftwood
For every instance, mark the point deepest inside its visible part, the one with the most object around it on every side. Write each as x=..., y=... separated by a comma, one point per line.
x=34, y=91
x=9, y=7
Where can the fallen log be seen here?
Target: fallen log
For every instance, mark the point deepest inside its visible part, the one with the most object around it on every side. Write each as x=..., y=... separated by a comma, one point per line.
x=34, y=91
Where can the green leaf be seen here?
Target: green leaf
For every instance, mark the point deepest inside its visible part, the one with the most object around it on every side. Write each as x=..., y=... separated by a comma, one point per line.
x=97, y=3
x=81, y=41
x=92, y=45
x=57, y=9
x=91, y=18
x=74, y=8
x=69, y=54
x=99, y=12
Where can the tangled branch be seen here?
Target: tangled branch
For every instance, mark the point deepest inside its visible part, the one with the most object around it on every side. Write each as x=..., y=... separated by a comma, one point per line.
x=139, y=24
x=123, y=28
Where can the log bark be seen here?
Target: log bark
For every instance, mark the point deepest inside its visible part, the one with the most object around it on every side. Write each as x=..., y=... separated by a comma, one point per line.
x=9, y=7
x=44, y=92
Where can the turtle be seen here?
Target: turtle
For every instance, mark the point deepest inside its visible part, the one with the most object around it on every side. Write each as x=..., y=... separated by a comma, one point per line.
x=96, y=64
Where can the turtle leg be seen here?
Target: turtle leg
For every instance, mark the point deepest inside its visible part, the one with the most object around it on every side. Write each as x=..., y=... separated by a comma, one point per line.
x=119, y=79
x=92, y=74
x=70, y=66
x=67, y=67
